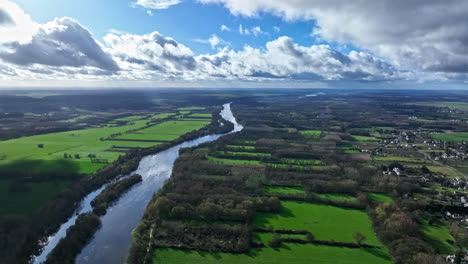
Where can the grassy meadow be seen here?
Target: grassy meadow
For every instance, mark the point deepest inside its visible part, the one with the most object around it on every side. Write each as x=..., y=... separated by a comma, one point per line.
x=325, y=222
x=72, y=153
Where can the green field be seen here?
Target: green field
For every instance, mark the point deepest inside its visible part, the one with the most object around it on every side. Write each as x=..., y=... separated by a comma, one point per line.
x=200, y=115
x=379, y=197
x=438, y=236
x=452, y=105
x=311, y=134
x=88, y=141
x=240, y=147
x=364, y=138
x=376, y=128
x=24, y=203
x=82, y=142
x=288, y=253
x=166, y=131
x=277, y=189
x=323, y=221
x=191, y=108
x=233, y=161
x=24, y=156
x=254, y=154
x=301, y=162
x=398, y=159
x=455, y=137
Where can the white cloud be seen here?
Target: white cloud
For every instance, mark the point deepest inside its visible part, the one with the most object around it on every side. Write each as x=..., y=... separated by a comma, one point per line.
x=277, y=29
x=243, y=31
x=149, y=12
x=286, y=60
x=224, y=28
x=214, y=41
x=65, y=50
x=150, y=52
x=117, y=31
x=256, y=31
x=156, y=4
x=429, y=35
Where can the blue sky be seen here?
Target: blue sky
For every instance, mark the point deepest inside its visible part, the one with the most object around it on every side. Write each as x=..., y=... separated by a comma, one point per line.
x=302, y=43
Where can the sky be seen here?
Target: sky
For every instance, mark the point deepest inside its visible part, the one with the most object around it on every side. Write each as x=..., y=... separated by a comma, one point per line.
x=234, y=43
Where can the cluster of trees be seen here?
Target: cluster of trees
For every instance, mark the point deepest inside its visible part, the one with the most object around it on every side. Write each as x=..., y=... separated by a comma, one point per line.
x=112, y=192
x=77, y=237
x=399, y=231
x=214, y=237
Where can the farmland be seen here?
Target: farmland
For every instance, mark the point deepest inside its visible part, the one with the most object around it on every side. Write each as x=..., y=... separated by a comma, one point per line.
x=288, y=253
x=76, y=152
x=453, y=137
x=323, y=221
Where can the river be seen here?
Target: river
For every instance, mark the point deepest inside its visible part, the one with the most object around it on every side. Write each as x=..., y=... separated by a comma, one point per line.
x=111, y=242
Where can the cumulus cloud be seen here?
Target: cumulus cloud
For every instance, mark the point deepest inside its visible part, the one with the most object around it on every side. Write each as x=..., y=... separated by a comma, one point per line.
x=62, y=42
x=156, y=4
x=151, y=51
x=429, y=35
x=63, y=49
x=284, y=59
x=214, y=41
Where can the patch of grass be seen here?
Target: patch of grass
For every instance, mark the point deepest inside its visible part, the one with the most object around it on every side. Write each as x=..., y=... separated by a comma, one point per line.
x=375, y=128
x=379, y=197
x=452, y=105
x=162, y=116
x=241, y=147
x=325, y=222
x=301, y=162
x=191, y=108
x=200, y=115
x=277, y=189
x=132, y=118
x=438, y=236
x=293, y=166
x=352, y=151
x=398, y=159
x=311, y=134
x=455, y=137
x=233, y=161
x=364, y=138
x=288, y=253
x=248, y=153
x=166, y=131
